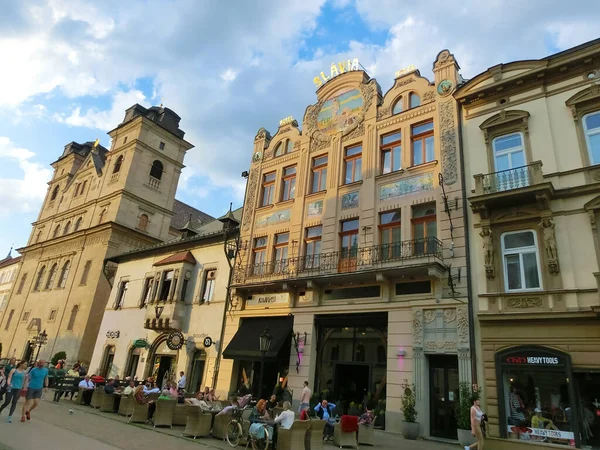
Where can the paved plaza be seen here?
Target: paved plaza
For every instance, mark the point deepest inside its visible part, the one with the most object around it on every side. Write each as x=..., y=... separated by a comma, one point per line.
x=53, y=428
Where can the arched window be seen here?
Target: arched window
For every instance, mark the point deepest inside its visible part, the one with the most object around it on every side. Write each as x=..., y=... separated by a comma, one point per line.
x=157, y=170
x=415, y=100
x=64, y=274
x=86, y=271
x=67, y=228
x=72, y=318
x=56, y=231
x=289, y=146
x=51, y=276
x=279, y=150
x=40, y=277
x=83, y=187
x=143, y=222
x=54, y=193
x=38, y=236
x=102, y=215
x=284, y=147
x=398, y=106
x=78, y=224
x=118, y=163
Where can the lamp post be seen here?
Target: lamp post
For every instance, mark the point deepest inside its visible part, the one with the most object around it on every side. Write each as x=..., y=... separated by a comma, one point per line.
x=265, y=343
x=39, y=340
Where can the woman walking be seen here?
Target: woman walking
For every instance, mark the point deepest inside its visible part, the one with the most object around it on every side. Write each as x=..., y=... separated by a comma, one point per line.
x=16, y=382
x=476, y=416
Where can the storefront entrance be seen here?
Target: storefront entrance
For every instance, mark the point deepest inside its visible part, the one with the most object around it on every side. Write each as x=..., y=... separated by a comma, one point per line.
x=588, y=392
x=197, y=370
x=162, y=362
x=163, y=366
x=443, y=387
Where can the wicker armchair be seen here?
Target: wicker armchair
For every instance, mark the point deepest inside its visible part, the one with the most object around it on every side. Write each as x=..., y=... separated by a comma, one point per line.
x=139, y=412
x=365, y=434
x=245, y=425
x=293, y=438
x=107, y=404
x=97, y=397
x=197, y=423
x=180, y=415
x=344, y=438
x=314, y=435
x=126, y=405
x=219, y=429
x=163, y=416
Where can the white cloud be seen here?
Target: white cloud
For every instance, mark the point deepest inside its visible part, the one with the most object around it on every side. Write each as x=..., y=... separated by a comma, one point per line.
x=23, y=194
x=229, y=75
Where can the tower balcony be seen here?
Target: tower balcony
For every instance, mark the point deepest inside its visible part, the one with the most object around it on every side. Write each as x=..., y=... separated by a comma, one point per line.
x=165, y=315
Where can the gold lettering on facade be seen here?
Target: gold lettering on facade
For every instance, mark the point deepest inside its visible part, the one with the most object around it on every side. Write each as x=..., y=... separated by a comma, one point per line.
x=285, y=121
x=404, y=71
x=335, y=70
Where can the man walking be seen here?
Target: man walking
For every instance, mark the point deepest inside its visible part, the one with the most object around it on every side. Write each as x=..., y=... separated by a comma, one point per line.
x=38, y=383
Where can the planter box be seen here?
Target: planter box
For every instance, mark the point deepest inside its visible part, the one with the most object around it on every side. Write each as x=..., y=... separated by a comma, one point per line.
x=410, y=430
x=465, y=438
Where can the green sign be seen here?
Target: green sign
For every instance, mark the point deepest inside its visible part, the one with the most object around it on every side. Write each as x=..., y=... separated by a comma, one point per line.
x=140, y=343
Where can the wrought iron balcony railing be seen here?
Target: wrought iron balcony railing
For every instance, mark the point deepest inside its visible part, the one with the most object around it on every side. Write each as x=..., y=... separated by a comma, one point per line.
x=507, y=180
x=345, y=261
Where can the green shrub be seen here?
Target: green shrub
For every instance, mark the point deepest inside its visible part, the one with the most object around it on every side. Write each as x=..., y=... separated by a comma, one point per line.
x=58, y=356
x=462, y=408
x=408, y=402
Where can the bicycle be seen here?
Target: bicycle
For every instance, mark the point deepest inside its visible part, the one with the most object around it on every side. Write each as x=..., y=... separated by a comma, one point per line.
x=235, y=432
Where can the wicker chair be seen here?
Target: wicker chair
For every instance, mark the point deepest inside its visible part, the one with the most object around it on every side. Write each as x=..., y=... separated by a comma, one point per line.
x=198, y=422
x=293, y=438
x=245, y=425
x=219, y=429
x=154, y=396
x=108, y=403
x=126, y=405
x=344, y=438
x=314, y=435
x=365, y=434
x=97, y=397
x=180, y=415
x=163, y=416
x=139, y=412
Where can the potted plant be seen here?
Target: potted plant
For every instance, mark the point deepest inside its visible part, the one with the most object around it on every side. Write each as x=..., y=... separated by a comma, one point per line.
x=408, y=403
x=353, y=409
x=462, y=410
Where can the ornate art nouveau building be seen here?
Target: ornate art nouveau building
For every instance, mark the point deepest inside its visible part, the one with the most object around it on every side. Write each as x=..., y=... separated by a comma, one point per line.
x=99, y=203
x=353, y=250
x=531, y=133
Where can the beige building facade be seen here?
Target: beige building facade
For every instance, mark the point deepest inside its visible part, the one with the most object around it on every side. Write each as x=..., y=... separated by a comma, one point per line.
x=9, y=267
x=166, y=308
x=99, y=203
x=531, y=135
x=352, y=251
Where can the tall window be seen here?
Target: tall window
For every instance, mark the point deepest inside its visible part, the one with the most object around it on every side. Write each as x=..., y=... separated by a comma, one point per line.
x=390, y=237
x=424, y=224
x=121, y=294
x=38, y=236
x=76, y=193
x=64, y=274
x=289, y=183
x=161, y=146
x=54, y=193
x=102, y=216
x=83, y=187
x=143, y=222
x=56, y=231
x=268, y=189
x=39, y=279
x=260, y=252
x=166, y=285
x=72, y=318
x=398, y=106
x=147, y=292
x=415, y=100
x=85, y=273
x=591, y=127
x=78, y=224
x=284, y=147
x=422, y=143
x=391, y=152
x=353, y=164
x=521, y=261
x=280, y=252
x=156, y=170
x=22, y=283
x=9, y=320
x=319, y=174
x=349, y=239
x=118, y=163
x=52, y=276
x=208, y=287
x=67, y=228
x=509, y=152
x=312, y=247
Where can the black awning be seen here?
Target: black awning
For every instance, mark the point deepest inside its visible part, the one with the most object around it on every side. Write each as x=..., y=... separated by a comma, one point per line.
x=245, y=344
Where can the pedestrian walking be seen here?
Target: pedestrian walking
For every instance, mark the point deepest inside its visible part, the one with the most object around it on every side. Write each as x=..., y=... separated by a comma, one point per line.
x=476, y=422
x=37, y=384
x=16, y=382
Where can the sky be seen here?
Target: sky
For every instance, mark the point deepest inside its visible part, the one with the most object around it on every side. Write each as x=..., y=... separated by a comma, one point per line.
x=70, y=68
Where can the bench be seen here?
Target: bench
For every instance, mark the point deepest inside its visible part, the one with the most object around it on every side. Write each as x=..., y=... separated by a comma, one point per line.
x=64, y=385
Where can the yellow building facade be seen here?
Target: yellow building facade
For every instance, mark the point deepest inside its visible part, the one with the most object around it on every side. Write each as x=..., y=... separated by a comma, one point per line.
x=9, y=267
x=352, y=251
x=531, y=134
x=99, y=203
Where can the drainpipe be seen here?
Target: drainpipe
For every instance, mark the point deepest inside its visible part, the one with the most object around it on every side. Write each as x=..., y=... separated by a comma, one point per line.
x=465, y=205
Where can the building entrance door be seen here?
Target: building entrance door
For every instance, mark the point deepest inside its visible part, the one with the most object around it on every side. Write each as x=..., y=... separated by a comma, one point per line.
x=197, y=374
x=588, y=391
x=165, y=364
x=443, y=394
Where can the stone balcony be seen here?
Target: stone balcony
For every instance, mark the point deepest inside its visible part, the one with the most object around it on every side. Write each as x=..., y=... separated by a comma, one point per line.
x=165, y=315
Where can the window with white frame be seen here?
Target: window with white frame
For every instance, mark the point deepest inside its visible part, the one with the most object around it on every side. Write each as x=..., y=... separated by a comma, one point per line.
x=521, y=261
x=509, y=152
x=208, y=287
x=591, y=127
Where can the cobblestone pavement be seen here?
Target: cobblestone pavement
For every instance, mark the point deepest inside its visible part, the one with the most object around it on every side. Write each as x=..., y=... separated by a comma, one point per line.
x=53, y=428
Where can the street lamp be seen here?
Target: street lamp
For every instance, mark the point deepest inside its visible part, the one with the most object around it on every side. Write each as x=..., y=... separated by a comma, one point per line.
x=264, y=344
x=39, y=340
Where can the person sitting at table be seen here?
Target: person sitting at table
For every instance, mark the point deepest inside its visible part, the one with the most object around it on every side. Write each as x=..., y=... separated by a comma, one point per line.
x=141, y=399
x=88, y=390
x=165, y=395
x=150, y=388
x=198, y=401
x=173, y=392
x=324, y=412
x=212, y=396
x=366, y=418
x=287, y=416
x=73, y=371
x=272, y=403
x=229, y=409
x=259, y=412
x=203, y=395
x=129, y=389
x=539, y=421
x=109, y=387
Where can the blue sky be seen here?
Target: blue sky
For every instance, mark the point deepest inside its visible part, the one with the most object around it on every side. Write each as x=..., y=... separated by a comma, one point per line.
x=70, y=68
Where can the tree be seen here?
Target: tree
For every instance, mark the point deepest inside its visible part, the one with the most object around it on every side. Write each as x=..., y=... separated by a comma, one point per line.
x=58, y=356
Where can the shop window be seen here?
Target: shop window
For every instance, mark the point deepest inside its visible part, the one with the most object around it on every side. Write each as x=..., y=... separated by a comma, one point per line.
x=319, y=174
x=85, y=273
x=353, y=164
x=54, y=193
x=349, y=239
x=415, y=100
x=521, y=261
x=22, y=283
x=422, y=143
x=268, y=189
x=147, y=292
x=391, y=152
x=414, y=287
x=9, y=320
x=118, y=163
x=121, y=294
x=591, y=128
x=78, y=224
x=312, y=247
x=143, y=222
x=353, y=293
x=166, y=285
x=424, y=225
x=398, y=106
x=40, y=278
x=64, y=274
x=259, y=255
x=156, y=170
x=288, y=183
x=208, y=286
x=280, y=253
x=390, y=237
x=72, y=318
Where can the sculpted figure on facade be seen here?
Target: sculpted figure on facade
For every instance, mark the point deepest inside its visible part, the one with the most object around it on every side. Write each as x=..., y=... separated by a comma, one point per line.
x=488, y=251
x=547, y=226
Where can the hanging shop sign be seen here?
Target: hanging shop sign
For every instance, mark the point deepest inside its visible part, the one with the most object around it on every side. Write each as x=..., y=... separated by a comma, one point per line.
x=140, y=343
x=335, y=70
x=542, y=432
x=175, y=340
x=207, y=341
x=112, y=334
x=268, y=300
